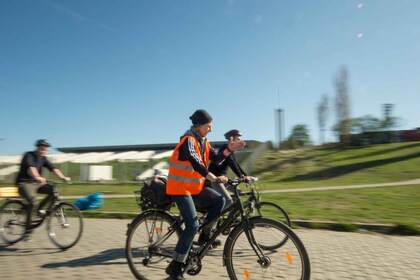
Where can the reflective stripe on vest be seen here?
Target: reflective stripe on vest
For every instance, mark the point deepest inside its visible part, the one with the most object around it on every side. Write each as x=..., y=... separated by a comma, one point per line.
x=182, y=179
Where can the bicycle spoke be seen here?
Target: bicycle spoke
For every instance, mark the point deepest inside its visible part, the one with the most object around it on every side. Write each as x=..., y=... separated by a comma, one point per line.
x=12, y=221
x=150, y=243
x=65, y=225
x=290, y=261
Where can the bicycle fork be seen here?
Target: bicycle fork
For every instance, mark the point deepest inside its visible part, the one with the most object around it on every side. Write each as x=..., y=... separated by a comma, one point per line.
x=262, y=259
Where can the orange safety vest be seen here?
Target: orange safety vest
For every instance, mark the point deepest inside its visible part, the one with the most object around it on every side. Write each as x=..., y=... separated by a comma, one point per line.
x=182, y=178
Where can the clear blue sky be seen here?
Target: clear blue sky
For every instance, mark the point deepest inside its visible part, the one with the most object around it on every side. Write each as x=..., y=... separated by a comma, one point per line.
x=112, y=72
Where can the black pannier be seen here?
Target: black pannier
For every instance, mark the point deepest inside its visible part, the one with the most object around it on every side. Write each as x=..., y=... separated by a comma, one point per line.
x=153, y=194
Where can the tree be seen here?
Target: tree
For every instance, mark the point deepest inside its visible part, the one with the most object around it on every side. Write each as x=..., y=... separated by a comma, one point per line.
x=322, y=117
x=300, y=134
x=365, y=124
x=342, y=105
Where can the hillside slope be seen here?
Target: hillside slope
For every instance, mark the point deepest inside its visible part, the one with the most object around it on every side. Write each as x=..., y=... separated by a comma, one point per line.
x=313, y=167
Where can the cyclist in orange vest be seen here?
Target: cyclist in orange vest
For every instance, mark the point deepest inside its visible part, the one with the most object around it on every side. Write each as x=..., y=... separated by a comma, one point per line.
x=187, y=173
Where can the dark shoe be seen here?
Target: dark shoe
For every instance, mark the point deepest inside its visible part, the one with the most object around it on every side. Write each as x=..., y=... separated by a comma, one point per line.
x=174, y=270
x=202, y=239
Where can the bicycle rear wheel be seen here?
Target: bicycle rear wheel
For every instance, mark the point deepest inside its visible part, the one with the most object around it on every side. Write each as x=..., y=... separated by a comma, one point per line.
x=291, y=261
x=276, y=212
x=65, y=225
x=12, y=221
x=151, y=239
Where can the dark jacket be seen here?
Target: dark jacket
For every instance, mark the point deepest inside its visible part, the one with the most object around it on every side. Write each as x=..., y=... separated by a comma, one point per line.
x=220, y=168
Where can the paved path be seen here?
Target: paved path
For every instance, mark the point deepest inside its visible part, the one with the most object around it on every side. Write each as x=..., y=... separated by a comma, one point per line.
x=100, y=255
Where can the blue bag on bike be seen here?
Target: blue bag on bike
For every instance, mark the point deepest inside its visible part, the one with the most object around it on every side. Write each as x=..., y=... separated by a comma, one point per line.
x=92, y=201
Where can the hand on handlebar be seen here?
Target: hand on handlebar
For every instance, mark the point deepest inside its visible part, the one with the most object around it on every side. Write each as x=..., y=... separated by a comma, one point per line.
x=66, y=179
x=223, y=179
x=41, y=180
x=249, y=179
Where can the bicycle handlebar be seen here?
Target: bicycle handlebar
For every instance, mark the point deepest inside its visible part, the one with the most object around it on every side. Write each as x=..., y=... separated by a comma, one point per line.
x=237, y=181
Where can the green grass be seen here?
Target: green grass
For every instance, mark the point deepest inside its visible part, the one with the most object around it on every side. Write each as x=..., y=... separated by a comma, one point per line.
x=386, y=205
x=339, y=166
x=398, y=205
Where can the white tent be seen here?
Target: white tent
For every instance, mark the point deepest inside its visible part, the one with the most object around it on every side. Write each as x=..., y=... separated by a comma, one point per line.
x=159, y=168
x=91, y=157
x=137, y=156
x=9, y=170
x=122, y=155
x=61, y=158
x=10, y=159
x=162, y=155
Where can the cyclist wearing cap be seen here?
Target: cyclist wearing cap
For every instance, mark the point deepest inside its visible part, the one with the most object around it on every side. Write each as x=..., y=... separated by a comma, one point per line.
x=29, y=179
x=220, y=168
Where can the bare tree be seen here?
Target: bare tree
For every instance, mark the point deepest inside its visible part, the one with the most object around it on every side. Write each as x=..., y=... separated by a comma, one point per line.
x=342, y=104
x=322, y=117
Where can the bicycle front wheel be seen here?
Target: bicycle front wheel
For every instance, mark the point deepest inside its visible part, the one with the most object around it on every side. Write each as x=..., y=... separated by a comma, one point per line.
x=276, y=212
x=291, y=261
x=65, y=225
x=151, y=240
x=12, y=221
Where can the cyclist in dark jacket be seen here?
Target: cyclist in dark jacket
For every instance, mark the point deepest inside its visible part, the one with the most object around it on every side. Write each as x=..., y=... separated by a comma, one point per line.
x=220, y=168
x=30, y=180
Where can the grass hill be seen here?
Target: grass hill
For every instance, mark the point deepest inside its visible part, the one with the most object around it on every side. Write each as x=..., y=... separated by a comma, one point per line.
x=334, y=166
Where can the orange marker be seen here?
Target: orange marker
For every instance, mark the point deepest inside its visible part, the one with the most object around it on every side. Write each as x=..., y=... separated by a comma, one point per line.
x=289, y=258
x=247, y=274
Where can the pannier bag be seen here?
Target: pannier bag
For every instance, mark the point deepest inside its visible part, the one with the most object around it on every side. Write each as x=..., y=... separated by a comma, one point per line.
x=153, y=194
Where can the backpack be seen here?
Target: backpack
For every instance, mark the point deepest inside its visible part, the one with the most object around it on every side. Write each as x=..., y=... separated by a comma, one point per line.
x=153, y=194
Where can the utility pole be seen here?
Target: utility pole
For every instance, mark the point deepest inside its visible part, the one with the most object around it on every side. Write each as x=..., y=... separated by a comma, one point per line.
x=279, y=116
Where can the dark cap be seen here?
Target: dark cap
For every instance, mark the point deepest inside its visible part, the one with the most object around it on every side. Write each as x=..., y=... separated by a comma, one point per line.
x=232, y=133
x=43, y=143
x=200, y=117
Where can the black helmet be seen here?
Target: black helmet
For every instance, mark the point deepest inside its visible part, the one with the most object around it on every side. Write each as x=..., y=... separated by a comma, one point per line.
x=232, y=133
x=42, y=142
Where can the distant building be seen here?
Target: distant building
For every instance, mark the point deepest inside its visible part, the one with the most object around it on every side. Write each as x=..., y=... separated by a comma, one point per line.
x=383, y=137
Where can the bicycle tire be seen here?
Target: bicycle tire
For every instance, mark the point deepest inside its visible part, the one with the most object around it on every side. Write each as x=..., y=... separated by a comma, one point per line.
x=291, y=261
x=65, y=225
x=145, y=260
x=12, y=221
x=273, y=211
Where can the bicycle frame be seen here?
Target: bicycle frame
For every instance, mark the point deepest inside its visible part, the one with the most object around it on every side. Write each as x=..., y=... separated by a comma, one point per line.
x=55, y=200
x=234, y=211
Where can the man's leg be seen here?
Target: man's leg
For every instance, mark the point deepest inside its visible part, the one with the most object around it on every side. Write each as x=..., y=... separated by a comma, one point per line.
x=27, y=191
x=187, y=210
x=212, y=200
x=49, y=191
x=220, y=188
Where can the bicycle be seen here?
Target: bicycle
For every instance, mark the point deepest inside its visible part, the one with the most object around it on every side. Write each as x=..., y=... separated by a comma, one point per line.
x=153, y=234
x=64, y=220
x=256, y=207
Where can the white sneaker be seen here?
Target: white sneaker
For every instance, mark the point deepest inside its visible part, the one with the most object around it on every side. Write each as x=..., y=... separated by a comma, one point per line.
x=42, y=213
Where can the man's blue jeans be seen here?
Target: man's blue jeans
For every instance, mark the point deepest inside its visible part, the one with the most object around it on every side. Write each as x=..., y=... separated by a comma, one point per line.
x=208, y=198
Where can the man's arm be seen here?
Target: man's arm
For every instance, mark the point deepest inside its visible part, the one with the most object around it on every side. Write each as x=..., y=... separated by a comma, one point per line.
x=35, y=174
x=60, y=175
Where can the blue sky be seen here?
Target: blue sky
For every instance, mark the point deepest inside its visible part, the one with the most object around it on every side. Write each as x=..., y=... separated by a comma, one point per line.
x=111, y=72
